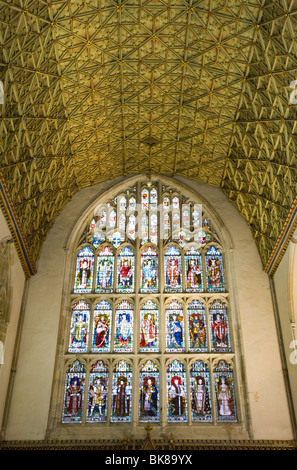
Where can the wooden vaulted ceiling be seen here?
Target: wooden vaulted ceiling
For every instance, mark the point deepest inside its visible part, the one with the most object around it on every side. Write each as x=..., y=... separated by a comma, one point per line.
x=102, y=88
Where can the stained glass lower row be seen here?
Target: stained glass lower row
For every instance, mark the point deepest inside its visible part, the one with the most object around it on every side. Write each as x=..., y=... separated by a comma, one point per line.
x=106, y=393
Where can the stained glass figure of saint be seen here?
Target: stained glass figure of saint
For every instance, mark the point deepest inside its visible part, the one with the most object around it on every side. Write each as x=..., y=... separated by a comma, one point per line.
x=200, y=393
x=214, y=270
x=176, y=392
x=131, y=227
x=125, y=273
x=173, y=273
x=121, y=393
x=224, y=393
x=149, y=392
x=123, y=341
x=105, y=270
x=84, y=271
x=197, y=335
x=98, y=393
x=149, y=338
x=79, y=327
x=175, y=327
x=149, y=270
x=219, y=328
x=193, y=271
x=102, y=327
x=166, y=226
x=74, y=393
x=144, y=229
x=144, y=199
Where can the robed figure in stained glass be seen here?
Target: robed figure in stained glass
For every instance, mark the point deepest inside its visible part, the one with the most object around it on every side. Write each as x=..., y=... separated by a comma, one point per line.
x=125, y=274
x=148, y=331
x=176, y=332
x=149, y=397
x=224, y=398
x=73, y=401
x=173, y=275
x=200, y=397
x=102, y=331
x=194, y=275
x=121, y=398
x=177, y=395
x=124, y=330
x=220, y=331
x=149, y=275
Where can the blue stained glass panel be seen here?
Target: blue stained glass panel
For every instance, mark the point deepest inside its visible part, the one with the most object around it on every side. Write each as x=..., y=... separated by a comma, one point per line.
x=123, y=340
x=176, y=392
x=175, y=327
x=79, y=328
x=98, y=393
x=74, y=393
x=149, y=393
x=125, y=272
x=105, y=270
x=149, y=271
x=200, y=393
x=84, y=271
x=121, y=393
x=224, y=393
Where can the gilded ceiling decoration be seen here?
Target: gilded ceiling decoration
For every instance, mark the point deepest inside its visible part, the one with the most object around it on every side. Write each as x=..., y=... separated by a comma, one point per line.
x=99, y=89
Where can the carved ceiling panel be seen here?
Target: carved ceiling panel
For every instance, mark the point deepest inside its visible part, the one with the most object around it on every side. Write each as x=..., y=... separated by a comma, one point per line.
x=99, y=89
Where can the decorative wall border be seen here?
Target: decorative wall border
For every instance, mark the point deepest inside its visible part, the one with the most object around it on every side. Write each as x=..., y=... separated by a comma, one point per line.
x=282, y=241
x=14, y=226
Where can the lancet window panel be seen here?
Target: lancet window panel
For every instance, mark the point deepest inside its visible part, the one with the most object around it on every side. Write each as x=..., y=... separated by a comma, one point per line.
x=150, y=310
x=103, y=393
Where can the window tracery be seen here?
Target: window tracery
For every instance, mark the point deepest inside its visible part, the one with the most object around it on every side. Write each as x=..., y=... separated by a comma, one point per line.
x=154, y=311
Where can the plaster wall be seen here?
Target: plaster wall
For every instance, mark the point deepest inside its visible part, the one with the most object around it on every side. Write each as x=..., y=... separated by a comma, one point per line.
x=266, y=405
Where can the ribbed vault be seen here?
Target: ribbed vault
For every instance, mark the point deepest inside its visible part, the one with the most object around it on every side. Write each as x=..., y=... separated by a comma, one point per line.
x=99, y=89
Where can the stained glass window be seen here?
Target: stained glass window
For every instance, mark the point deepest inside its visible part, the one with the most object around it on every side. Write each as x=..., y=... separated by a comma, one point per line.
x=173, y=271
x=149, y=392
x=98, y=393
x=145, y=199
x=84, y=270
x=200, y=393
x=154, y=228
x=149, y=285
x=175, y=326
x=105, y=270
x=125, y=273
x=79, y=328
x=102, y=322
x=74, y=393
x=123, y=341
x=176, y=392
x=193, y=271
x=224, y=392
x=153, y=198
x=149, y=327
x=197, y=327
x=149, y=270
x=144, y=228
x=219, y=327
x=214, y=270
x=121, y=392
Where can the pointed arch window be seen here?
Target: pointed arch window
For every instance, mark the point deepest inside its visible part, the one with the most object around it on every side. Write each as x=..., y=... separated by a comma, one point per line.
x=150, y=321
